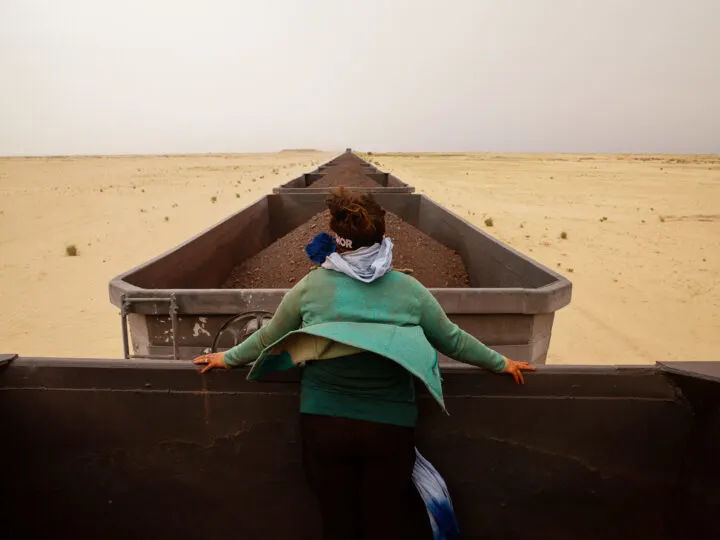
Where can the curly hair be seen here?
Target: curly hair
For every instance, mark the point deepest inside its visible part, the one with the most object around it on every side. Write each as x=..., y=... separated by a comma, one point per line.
x=357, y=217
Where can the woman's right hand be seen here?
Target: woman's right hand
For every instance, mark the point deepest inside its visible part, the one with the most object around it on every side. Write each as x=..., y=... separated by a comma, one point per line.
x=516, y=368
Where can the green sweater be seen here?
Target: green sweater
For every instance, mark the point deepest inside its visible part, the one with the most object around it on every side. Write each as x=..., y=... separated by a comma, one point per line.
x=328, y=316
x=363, y=386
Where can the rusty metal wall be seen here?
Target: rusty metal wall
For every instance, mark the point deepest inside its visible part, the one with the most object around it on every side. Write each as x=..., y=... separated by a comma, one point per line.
x=111, y=449
x=521, y=337
x=205, y=260
x=511, y=300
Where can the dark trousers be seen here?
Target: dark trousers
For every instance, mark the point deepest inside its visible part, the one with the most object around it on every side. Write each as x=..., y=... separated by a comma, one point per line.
x=361, y=473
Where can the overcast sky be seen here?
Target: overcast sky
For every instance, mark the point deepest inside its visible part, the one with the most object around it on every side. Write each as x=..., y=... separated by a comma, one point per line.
x=176, y=76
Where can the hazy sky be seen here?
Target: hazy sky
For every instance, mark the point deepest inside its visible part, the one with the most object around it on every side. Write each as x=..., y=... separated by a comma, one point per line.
x=155, y=76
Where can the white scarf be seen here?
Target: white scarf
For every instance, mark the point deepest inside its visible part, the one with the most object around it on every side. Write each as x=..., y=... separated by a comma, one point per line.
x=365, y=264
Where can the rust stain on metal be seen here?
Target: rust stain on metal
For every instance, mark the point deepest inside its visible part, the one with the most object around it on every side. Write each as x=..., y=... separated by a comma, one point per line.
x=206, y=399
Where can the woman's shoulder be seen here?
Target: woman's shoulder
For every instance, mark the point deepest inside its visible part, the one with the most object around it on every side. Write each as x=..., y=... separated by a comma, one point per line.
x=319, y=277
x=403, y=283
x=405, y=276
x=396, y=278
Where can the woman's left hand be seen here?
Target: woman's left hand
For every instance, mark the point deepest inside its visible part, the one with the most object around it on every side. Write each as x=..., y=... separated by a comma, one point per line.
x=211, y=361
x=516, y=368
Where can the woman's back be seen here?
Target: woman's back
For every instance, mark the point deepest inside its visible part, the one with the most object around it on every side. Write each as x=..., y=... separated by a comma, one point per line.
x=362, y=334
x=330, y=296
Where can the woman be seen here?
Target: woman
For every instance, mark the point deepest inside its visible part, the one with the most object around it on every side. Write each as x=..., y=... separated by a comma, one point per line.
x=363, y=334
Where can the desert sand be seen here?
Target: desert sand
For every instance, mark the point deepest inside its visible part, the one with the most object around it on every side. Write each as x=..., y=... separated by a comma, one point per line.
x=642, y=247
x=114, y=210
x=642, y=242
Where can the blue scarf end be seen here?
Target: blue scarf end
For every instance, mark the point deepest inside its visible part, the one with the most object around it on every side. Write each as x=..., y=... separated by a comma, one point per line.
x=446, y=525
x=320, y=247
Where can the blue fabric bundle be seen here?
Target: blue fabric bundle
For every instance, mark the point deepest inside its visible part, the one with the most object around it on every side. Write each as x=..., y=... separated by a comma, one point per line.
x=320, y=247
x=435, y=495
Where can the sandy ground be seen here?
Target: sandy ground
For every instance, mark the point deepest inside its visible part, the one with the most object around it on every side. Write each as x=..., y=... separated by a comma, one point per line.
x=119, y=212
x=646, y=279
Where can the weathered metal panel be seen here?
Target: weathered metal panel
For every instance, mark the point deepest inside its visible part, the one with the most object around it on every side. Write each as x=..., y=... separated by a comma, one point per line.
x=113, y=449
x=503, y=281
x=521, y=337
x=697, y=497
x=206, y=260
